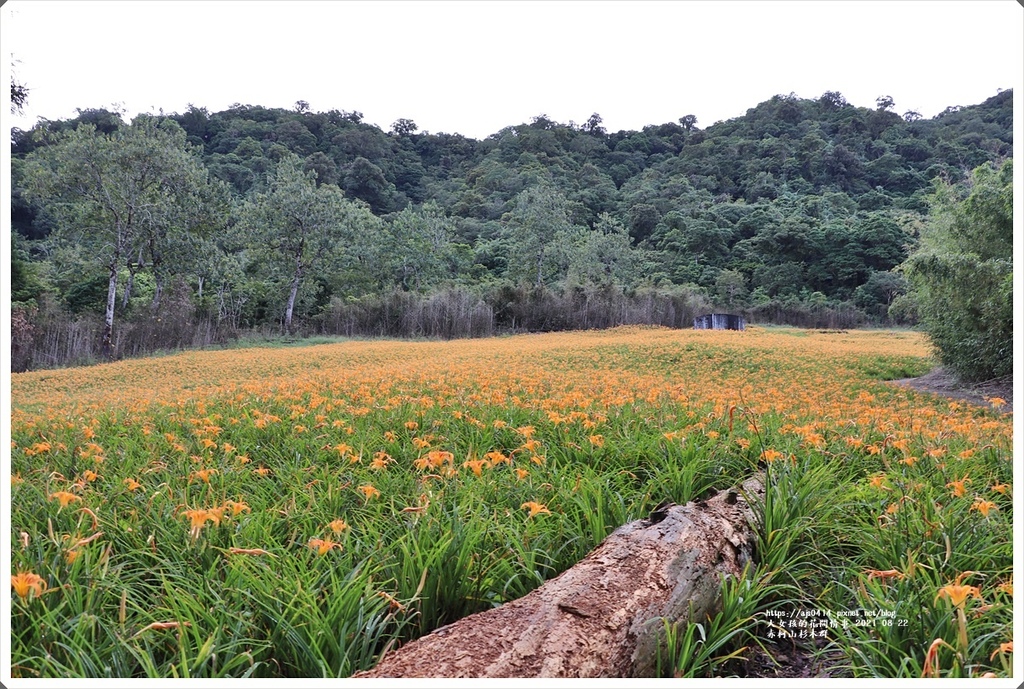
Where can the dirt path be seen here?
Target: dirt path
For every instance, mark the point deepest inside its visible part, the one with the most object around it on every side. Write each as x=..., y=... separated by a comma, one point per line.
x=940, y=382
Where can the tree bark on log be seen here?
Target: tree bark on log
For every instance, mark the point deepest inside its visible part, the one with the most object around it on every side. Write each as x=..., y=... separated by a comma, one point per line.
x=604, y=616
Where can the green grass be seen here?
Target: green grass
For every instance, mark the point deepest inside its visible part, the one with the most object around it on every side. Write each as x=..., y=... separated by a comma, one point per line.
x=147, y=598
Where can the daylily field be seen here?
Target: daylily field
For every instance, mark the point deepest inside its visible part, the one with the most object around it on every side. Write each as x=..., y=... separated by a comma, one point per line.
x=295, y=511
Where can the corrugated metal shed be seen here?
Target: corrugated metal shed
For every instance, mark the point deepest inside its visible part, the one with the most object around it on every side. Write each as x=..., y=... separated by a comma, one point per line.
x=719, y=321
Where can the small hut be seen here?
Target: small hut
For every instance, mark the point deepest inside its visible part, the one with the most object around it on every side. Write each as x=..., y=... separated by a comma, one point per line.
x=719, y=321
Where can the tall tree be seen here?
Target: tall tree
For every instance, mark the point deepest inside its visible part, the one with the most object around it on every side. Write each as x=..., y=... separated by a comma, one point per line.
x=420, y=246
x=961, y=276
x=537, y=223
x=302, y=227
x=731, y=288
x=112, y=193
x=604, y=256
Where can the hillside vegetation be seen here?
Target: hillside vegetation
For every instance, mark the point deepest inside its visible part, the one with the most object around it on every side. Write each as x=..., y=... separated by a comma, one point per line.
x=267, y=219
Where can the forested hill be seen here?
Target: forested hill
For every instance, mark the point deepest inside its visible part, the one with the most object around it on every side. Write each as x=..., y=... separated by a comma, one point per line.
x=798, y=199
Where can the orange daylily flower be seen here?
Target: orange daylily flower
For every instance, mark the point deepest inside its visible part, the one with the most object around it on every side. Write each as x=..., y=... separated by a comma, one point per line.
x=433, y=459
x=236, y=507
x=535, y=508
x=323, y=545
x=878, y=481
x=958, y=594
x=495, y=458
x=959, y=489
x=476, y=465
x=931, y=659
x=368, y=492
x=25, y=583
x=203, y=474
x=337, y=526
x=64, y=497
x=1003, y=648
x=380, y=460
x=983, y=506
x=526, y=431
x=197, y=519
x=215, y=514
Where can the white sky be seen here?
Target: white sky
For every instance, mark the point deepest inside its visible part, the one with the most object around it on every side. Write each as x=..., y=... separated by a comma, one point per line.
x=476, y=67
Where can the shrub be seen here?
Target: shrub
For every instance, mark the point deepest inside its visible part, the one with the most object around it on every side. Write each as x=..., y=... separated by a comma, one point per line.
x=962, y=276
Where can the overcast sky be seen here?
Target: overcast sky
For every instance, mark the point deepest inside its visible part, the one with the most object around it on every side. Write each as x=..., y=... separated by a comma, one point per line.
x=476, y=67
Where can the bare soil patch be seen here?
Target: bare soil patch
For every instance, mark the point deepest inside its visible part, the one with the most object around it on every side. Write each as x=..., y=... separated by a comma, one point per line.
x=791, y=661
x=941, y=382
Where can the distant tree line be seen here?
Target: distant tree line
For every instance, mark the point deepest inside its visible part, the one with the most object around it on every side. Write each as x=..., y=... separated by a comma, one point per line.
x=192, y=228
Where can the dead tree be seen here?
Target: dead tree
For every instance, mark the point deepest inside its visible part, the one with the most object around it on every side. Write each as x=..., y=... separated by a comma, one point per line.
x=604, y=617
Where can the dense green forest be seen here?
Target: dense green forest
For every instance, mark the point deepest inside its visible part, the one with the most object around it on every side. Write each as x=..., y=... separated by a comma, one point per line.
x=192, y=228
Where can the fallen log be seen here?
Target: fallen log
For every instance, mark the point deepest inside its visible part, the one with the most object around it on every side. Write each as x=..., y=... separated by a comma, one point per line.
x=603, y=617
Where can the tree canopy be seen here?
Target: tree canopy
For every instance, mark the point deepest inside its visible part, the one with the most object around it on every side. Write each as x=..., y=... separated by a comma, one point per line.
x=121, y=199
x=961, y=275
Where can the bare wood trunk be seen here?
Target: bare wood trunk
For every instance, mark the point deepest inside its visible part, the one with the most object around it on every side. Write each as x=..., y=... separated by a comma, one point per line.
x=128, y=289
x=159, y=290
x=296, y=281
x=290, y=308
x=106, y=346
x=604, y=616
